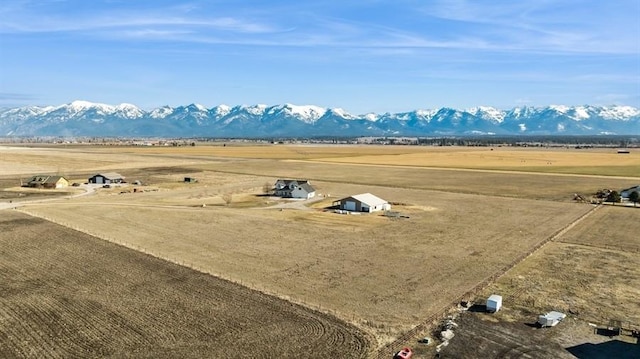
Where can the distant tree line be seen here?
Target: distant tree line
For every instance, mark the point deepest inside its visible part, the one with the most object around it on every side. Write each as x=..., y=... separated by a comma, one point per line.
x=487, y=140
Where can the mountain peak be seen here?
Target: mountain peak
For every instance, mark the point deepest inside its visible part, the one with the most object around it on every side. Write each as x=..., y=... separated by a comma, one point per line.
x=307, y=113
x=95, y=119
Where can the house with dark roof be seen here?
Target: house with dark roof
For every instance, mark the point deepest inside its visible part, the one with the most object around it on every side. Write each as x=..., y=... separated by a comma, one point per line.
x=288, y=188
x=625, y=193
x=47, y=181
x=107, y=178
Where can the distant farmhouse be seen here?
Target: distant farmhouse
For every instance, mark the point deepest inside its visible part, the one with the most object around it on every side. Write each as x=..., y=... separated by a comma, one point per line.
x=625, y=193
x=288, y=188
x=107, y=178
x=47, y=181
x=365, y=202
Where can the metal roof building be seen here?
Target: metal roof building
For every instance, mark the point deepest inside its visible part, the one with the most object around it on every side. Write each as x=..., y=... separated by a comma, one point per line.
x=364, y=202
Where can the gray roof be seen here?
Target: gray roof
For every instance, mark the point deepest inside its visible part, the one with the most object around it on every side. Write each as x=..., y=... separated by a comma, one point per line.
x=289, y=181
x=307, y=187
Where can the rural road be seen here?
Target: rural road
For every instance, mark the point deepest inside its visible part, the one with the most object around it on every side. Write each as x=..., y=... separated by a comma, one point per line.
x=295, y=204
x=88, y=190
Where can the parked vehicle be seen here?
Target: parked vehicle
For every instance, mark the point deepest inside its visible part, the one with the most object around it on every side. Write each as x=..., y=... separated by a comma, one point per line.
x=405, y=353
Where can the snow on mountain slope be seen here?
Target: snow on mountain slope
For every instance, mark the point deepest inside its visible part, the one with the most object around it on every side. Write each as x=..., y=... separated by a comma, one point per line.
x=83, y=117
x=619, y=112
x=488, y=113
x=341, y=113
x=307, y=114
x=580, y=113
x=221, y=110
x=129, y=110
x=161, y=112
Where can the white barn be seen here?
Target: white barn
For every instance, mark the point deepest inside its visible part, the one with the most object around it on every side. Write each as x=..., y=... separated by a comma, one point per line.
x=365, y=202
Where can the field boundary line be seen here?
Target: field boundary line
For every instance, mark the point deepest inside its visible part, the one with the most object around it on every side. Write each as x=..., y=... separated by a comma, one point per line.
x=335, y=314
x=463, y=169
x=388, y=350
x=605, y=247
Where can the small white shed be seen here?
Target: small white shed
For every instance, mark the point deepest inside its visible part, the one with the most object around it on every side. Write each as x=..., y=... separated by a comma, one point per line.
x=494, y=302
x=551, y=319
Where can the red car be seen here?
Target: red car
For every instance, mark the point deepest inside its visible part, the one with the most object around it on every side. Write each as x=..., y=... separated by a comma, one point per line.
x=405, y=353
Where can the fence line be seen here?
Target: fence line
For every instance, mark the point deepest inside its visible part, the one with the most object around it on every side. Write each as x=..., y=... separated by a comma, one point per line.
x=388, y=350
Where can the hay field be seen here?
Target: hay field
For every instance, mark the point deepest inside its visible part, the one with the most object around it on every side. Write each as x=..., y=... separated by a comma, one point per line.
x=383, y=275
x=65, y=294
x=611, y=227
x=598, y=284
x=264, y=151
x=544, y=160
x=491, y=183
x=592, y=270
x=27, y=161
x=556, y=160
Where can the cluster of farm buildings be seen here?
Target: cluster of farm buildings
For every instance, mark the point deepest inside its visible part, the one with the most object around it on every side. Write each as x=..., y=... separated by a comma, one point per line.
x=285, y=188
x=56, y=182
x=364, y=202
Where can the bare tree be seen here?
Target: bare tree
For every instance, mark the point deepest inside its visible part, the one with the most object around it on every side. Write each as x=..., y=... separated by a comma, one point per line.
x=634, y=197
x=267, y=188
x=227, y=198
x=613, y=197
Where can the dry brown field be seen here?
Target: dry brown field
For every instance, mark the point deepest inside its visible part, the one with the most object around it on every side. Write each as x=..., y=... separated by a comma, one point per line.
x=65, y=294
x=466, y=222
x=591, y=273
x=544, y=160
x=593, y=270
x=611, y=227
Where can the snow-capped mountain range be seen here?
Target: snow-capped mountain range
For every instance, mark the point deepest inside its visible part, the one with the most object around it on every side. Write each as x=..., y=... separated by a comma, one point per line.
x=82, y=118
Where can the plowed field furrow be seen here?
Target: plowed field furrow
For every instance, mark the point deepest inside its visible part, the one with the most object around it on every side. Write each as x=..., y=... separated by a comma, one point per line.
x=28, y=334
x=11, y=335
x=74, y=296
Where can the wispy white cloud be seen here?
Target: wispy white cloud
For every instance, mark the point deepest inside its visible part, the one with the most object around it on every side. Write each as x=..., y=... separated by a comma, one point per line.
x=546, y=26
x=510, y=26
x=527, y=48
x=26, y=17
x=114, y=22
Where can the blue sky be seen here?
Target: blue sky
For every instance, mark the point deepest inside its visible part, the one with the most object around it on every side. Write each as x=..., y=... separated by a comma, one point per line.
x=362, y=56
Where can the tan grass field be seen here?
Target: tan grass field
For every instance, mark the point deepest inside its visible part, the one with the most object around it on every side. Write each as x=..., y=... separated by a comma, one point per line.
x=612, y=227
x=65, y=294
x=602, y=162
x=546, y=160
x=597, y=284
x=466, y=222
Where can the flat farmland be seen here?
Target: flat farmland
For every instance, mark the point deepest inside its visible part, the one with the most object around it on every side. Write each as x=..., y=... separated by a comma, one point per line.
x=384, y=275
x=461, y=223
x=589, y=273
x=66, y=294
x=28, y=161
x=611, y=227
x=539, y=160
x=492, y=183
x=554, y=160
